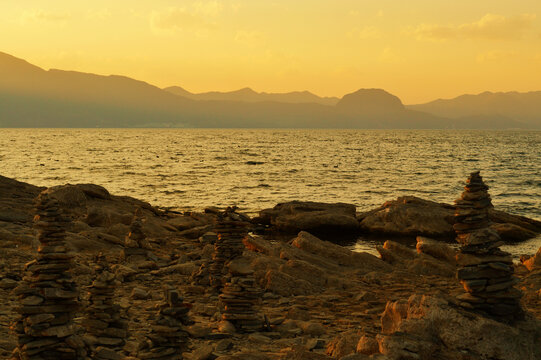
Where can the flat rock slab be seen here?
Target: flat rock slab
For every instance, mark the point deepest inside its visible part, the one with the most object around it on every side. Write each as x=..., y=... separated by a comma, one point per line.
x=314, y=217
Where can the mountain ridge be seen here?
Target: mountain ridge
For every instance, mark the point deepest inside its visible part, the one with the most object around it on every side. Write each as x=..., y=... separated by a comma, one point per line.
x=247, y=94
x=34, y=97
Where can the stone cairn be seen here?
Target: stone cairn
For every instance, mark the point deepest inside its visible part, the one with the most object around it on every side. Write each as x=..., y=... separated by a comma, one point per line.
x=168, y=338
x=484, y=270
x=231, y=229
x=233, y=277
x=48, y=296
x=136, y=243
x=239, y=297
x=103, y=317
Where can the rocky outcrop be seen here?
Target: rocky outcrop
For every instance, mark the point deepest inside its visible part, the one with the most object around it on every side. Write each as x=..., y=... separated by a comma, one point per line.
x=313, y=217
x=411, y=216
x=421, y=262
x=425, y=327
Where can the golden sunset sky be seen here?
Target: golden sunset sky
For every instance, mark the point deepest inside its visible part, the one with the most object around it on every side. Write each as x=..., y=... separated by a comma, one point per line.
x=419, y=50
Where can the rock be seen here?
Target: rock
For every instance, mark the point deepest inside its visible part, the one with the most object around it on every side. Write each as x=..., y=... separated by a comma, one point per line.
x=198, y=331
x=312, y=328
x=184, y=222
x=226, y=327
x=94, y=191
x=286, y=285
x=436, y=249
x=69, y=196
x=391, y=317
x=223, y=345
x=336, y=253
x=296, y=216
x=355, y=357
x=301, y=353
x=260, y=338
x=303, y=270
x=367, y=345
x=298, y=312
x=106, y=217
x=139, y=294
x=513, y=233
x=533, y=262
x=343, y=345
x=427, y=265
x=431, y=328
x=209, y=237
x=421, y=264
x=195, y=232
x=203, y=352
x=183, y=269
x=240, y=266
x=7, y=283
x=412, y=216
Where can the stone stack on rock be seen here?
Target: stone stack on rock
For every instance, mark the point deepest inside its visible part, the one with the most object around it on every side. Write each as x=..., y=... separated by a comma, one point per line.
x=48, y=296
x=240, y=296
x=103, y=322
x=168, y=338
x=484, y=270
x=231, y=229
x=136, y=243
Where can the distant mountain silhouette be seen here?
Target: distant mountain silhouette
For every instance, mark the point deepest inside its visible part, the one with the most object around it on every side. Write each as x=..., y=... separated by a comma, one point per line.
x=249, y=95
x=370, y=101
x=33, y=97
x=520, y=109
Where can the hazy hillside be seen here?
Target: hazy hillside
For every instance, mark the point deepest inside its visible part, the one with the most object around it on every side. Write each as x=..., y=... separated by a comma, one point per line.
x=249, y=95
x=518, y=108
x=33, y=97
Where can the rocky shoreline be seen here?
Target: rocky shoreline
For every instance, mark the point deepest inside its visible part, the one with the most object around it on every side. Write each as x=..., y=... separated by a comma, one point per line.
x=316, y=299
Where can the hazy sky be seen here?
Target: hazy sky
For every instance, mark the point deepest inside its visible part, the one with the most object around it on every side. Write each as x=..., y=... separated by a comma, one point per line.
x=418, y=50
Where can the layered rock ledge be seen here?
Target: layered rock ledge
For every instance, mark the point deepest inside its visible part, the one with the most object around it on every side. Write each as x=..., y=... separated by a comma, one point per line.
x=320, y=300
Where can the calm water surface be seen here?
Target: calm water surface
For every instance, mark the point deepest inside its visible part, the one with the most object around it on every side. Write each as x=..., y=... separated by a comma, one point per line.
x=255, y=169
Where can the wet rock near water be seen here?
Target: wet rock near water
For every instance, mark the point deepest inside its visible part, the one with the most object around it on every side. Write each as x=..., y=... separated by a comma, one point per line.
x=485, y=271
x=411, y=216
x=313, y=217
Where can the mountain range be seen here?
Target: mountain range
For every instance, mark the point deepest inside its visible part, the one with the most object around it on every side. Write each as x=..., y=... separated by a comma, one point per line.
x=34, y=97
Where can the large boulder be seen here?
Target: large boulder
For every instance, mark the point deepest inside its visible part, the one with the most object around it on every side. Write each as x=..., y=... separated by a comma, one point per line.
x=432, y=328
x=314, y=217
x=411, y=216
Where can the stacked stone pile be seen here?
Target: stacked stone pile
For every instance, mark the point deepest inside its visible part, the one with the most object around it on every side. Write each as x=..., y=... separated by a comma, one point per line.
x=168, y=337
x=103, y=317
x=239, y=298
x=231, y=229
x=485, y=271
x=136, y=243
x=48, y=296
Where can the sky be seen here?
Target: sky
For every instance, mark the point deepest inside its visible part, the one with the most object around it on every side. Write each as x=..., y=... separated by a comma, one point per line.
x=419, y=50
